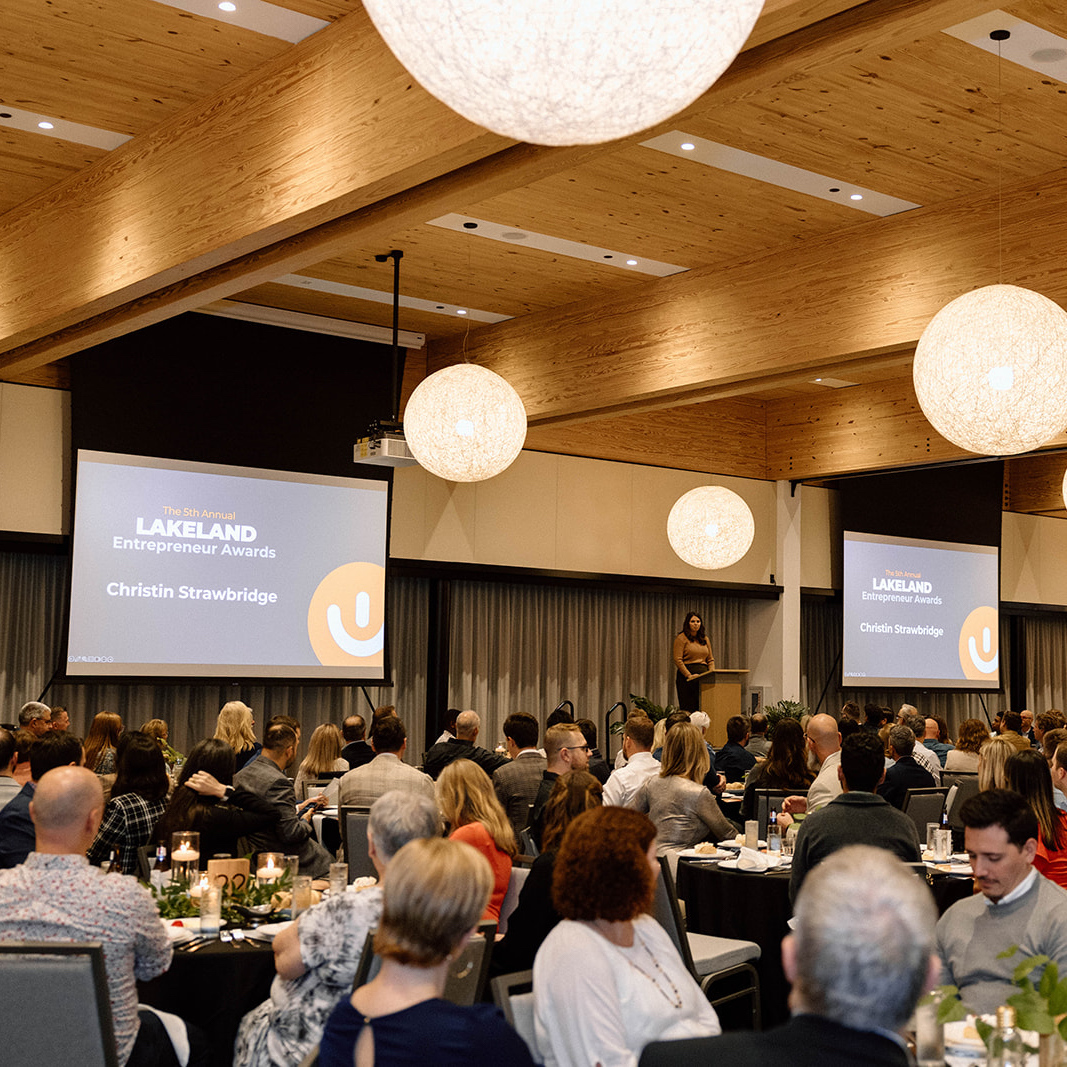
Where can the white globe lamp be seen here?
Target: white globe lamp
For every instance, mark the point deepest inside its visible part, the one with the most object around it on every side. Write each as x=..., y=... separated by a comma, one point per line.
x=990, y=370
x=561, y=72
x=465, y=423
x=710, y=527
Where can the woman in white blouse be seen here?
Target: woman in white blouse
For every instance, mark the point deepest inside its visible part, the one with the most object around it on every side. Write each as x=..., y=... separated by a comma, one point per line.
x=608, y=979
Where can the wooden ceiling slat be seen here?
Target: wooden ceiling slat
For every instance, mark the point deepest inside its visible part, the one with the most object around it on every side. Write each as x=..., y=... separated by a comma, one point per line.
x=1034, y=484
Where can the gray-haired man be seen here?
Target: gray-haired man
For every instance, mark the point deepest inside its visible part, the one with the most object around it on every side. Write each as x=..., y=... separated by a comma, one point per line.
x=317, y=956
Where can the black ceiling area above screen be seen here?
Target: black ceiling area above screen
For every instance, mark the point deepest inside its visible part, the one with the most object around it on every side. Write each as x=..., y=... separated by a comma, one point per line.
x=216, y=390
x=961, y=504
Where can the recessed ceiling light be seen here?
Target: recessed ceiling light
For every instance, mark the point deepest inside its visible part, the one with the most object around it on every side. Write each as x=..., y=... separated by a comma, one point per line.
x=227, y=6
x=688, y=146
x=818, y=379
x=46, y=125
x=461, y=311
x=631, y=263
x=856, y=196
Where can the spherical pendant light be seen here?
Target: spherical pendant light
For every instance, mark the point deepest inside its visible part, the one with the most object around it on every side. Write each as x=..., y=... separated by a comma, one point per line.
x=561, y=72
x=990, y=370
x=710, y=527
x=465, y=423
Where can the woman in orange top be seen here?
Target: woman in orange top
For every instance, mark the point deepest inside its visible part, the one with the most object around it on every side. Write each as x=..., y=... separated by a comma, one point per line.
x=692, y=657
x=469, y=805
x=1028, y=774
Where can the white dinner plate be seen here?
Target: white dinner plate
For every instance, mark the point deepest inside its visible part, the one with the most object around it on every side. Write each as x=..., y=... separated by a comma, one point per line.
x=267, y=931
x=736, y=846
x=696, y=854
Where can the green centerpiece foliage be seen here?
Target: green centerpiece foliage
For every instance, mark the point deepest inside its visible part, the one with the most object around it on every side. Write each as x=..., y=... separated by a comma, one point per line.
x=784, y=709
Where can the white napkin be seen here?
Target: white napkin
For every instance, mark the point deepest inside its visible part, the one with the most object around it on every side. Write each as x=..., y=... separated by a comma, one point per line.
x=176, y=1031
x=751, y=860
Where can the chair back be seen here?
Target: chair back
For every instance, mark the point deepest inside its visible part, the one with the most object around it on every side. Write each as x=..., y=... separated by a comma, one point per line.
x=966, y=787
x=923, y=806
x=528, y=844
x=668, y=914
x=354, y=841
x=513, y=995
x=144, y=868
x=71, y=974
x=312, y=787
x=766, y=799
x=511, y=897
x=467, y=976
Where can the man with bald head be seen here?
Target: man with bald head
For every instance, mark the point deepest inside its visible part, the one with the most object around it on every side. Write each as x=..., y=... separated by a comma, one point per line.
x=462, y=746
x=56, y=896
x=824, y=743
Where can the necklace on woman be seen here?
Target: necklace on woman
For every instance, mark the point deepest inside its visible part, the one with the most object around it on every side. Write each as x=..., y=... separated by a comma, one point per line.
x=674, y=997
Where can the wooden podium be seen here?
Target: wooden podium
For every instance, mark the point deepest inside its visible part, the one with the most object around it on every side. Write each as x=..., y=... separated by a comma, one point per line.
x=720, y=697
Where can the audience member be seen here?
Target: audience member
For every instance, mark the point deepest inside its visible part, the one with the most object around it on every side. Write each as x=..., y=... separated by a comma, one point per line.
x=387, y=771
x=9, y=759
x=35, y=717
x=236, y=726
x=293, y=832
x=874, y=717
x=463, y=746
x=905, y=773
x=824, y=743
x=640, y=766
x=432, y=898
x=356, y=751
x=565, y=750
x=323, y=760
x=608, y=979
x=860, y=956
x=1027, y=728
x=923, y=756
x=24, y=741
x=474, y=815
x=560, y=716
x=679, y=804
x=517, y=781
x=158, y=730
x=56, y=896
x=317, y=956
x=447, y=733
x=59, y=720
x=758, y=742
x=1012, y=730
x=206, y=801
x=535, y=915
x=964, y=757
x=598, y=766
x=1028, y=774
x=993, y=756
x=786, y=766
x=857, y=816
x=936, y=739
x=848, y=727
x=664, y=727
x=102, y=741
x=850, y=710
x=138, y=800
x=1048, y=720
x=1017, y=907
x=733, y=759
x=1058, y=769
x=16, y=822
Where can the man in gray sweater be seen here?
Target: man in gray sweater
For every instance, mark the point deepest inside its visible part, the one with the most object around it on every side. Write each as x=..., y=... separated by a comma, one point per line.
x=1017, y=906
x=857, y=816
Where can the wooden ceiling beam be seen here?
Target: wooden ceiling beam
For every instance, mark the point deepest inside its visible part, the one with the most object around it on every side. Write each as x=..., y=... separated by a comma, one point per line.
x=1034, y=484
x=867, y=291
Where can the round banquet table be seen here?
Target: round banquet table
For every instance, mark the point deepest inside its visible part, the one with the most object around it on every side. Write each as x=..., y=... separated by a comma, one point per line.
x=213, y=988
x=755, y=907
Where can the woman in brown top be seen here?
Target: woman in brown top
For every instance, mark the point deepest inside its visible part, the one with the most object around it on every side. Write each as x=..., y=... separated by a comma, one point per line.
x=692, y=657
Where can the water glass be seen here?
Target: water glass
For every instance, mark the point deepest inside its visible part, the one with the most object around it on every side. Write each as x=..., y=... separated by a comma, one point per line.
x=931, y=829
x=338, y=878
x=301, y=894
x=929, y=1037
x=210, y=910
x=942, y=846
x=293, y=863
x=752, y=833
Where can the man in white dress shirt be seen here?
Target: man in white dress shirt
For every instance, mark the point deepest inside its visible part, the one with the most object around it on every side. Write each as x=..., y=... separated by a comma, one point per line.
x=824, y=741
x=641, y=765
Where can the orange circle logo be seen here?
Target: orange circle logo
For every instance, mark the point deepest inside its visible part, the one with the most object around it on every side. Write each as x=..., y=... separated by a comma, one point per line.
x=979, y=644
x=346, y=617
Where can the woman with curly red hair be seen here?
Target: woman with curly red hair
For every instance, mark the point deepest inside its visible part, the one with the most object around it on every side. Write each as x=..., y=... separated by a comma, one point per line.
x=608, y=980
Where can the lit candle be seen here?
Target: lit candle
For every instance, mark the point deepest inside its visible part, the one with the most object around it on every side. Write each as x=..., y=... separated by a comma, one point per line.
x=196, y=890
x=184, y=854
x=269, y=873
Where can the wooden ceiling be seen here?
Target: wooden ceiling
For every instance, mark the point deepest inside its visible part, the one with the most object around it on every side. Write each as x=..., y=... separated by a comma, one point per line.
x=251, y=158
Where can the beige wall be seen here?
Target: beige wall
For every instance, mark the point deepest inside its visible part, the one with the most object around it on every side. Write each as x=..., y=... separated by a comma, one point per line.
x=566, y=513
x=34, y=459
x=1032, y=559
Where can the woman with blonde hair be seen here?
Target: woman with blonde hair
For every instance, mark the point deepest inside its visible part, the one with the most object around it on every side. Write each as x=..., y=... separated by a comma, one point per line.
x=323, y=759
x=101, y=742
x=433, y=895
x=469, y=805
x=679, y=804
x=992, y=759
x=964, y=757
x=236, y=727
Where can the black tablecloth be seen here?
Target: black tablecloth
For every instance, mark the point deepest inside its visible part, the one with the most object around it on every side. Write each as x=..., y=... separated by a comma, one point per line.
x=213, y=988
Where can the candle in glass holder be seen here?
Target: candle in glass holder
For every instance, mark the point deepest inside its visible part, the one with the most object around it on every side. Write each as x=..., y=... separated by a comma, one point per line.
x=184, y=856
x=196, y=890
x=272, y=867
